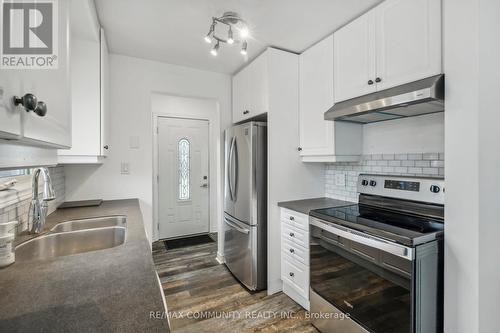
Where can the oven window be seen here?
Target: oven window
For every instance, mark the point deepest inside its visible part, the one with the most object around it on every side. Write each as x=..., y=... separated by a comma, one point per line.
x=358, y=280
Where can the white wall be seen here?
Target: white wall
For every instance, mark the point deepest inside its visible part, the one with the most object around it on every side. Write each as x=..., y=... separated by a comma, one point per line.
x=132, y=82
x=472, y=162
x=421, y=134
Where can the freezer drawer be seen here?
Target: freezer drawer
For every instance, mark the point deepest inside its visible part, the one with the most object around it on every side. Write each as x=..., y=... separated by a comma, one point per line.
x=243, y=256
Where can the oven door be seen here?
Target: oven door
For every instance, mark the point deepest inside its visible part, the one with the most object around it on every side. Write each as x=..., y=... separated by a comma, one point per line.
x=367, y=278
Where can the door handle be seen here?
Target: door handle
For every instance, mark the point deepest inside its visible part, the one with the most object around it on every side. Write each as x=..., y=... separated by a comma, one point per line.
x=204, y=185
x=235, y=227
x=229, y=169
x=236, y=171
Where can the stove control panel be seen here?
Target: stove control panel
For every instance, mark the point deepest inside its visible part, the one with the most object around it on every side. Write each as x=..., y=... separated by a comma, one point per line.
x=409, y=188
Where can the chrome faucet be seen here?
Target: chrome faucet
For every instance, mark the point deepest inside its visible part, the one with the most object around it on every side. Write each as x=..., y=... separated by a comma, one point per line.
x=39, y=206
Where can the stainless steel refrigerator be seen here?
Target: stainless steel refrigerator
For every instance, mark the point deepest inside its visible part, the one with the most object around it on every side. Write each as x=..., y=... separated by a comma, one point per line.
x=245, y=203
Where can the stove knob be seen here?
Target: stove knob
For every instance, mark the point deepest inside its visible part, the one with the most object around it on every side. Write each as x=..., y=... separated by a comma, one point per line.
x=364, y=182
x=435, y=189
x=373, y=183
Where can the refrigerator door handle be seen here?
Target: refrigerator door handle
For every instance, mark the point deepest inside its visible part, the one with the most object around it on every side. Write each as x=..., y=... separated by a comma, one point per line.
x=236, y=171
x=235, y=227
x=230, y=168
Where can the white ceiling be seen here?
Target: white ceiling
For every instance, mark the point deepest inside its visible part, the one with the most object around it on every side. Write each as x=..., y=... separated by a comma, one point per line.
x=172, y=31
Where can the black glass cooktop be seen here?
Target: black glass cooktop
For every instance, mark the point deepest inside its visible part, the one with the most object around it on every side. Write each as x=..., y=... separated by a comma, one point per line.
x=406, y=229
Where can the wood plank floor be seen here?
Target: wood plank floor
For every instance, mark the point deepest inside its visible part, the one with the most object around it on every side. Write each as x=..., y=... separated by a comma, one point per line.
x=203, y=296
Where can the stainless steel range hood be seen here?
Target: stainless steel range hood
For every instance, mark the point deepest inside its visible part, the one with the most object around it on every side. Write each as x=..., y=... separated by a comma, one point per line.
x=408, y=100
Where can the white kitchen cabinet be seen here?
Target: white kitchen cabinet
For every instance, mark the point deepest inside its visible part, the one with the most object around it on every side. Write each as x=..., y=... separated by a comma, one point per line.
x=295, y=256
x=251, y=89
x=408, y=41
x=397, y=42
x=319, y=141
x=89, y=87
x=48, y=85
x=354, y=58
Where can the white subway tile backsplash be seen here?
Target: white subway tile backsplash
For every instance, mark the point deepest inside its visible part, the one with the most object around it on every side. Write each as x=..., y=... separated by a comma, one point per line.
x=19, y=209
x=431, y=156
x=420, y=164
x=415, y=156
x=388, y=156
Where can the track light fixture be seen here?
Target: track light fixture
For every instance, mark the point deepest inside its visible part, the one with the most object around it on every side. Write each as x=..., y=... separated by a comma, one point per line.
x=234, y=23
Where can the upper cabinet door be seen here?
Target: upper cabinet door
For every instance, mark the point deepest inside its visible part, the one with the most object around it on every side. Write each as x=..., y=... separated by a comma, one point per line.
x=354, y=58
x=239, y=96
x=408, y=41
x=315, y=98
x=104, y=83
x=10, y=115
x=51, y=86
x=250, y=90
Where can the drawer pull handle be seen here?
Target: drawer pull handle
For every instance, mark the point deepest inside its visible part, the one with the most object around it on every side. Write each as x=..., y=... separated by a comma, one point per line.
x=292, y=234
x=292, y=250
x=291, y=274
x=292, y=218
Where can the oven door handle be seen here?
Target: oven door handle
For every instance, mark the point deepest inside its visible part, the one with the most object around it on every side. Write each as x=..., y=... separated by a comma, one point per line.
x=368, y=240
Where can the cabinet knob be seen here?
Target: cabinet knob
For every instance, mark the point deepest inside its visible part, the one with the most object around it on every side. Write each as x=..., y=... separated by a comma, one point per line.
x=299, y=148
x=378, y=80
x=31, y=103
x=246, y=112
x=291, y=274
x=41, y=109
x=292, y=234
x=292, y=250
x=292, y=218
x=106, y=147
x=370, y=82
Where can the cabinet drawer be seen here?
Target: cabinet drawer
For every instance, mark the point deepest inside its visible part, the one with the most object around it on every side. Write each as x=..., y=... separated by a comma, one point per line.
x=295, y=235
x=297, y=252
x=295, y=219
x=296, y=274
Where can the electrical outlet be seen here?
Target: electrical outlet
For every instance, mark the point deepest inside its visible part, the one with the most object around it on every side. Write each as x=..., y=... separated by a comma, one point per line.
x=125, y=168
x=340, y=179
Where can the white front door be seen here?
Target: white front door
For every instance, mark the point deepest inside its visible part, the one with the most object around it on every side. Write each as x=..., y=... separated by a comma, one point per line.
x=183, y=177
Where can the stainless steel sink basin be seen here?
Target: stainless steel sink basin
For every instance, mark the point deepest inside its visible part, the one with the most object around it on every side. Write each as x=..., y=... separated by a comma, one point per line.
x=72, y=242
x=91, y=223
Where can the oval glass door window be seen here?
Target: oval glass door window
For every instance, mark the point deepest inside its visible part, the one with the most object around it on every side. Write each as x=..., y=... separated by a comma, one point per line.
x=184, y=157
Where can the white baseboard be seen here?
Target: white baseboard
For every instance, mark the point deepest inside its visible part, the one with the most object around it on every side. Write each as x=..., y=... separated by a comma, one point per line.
x=220, y=258
x=274, y=287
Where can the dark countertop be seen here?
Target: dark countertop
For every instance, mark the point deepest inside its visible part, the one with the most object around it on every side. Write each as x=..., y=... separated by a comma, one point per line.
x=306, y=205
x=111, y=290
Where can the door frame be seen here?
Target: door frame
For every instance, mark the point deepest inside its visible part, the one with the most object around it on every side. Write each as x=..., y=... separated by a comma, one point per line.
x=214, y=164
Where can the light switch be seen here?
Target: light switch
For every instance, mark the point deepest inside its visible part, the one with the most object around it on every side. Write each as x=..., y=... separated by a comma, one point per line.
x=125, y=168
x=340, y=179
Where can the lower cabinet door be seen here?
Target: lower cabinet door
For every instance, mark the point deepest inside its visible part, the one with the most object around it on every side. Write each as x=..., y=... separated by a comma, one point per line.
x=296, y=274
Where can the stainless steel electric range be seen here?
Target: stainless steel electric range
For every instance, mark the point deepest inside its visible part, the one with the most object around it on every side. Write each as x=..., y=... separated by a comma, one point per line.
x=377, y=266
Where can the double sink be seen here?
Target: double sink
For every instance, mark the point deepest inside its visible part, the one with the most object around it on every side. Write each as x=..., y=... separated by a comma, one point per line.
x=75, y=236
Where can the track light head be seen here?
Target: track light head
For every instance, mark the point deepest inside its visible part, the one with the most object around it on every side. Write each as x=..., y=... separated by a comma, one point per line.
x=244, y=33
x=215, y=50
x=230, y=39
x=244, y=46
